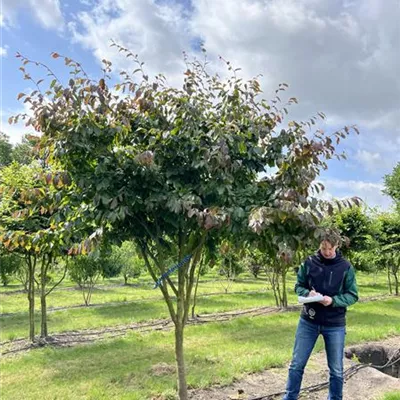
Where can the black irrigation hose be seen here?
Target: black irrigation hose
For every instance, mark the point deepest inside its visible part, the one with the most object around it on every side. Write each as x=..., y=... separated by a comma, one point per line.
x=346, y=375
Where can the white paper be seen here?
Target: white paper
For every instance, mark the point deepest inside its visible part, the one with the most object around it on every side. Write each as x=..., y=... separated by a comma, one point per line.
x=310, y=299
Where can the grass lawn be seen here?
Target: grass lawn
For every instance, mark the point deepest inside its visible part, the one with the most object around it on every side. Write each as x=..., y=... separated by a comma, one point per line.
x=141, y=303
x=391, y=396
x=113, y=290
x=215, y=353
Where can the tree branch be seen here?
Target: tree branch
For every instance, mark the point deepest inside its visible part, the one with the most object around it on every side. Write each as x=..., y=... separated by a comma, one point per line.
x=65, y=272
x=143, y=247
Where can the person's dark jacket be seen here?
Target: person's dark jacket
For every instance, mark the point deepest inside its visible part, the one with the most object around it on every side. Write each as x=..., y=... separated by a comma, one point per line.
x=331, y=277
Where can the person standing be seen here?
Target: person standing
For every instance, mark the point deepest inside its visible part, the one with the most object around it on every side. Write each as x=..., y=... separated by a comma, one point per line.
x=330, y=274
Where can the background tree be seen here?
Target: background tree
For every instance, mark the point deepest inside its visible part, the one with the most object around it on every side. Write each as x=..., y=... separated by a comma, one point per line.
x=31, y=213
x=10, y=265
x=5, y=150
x=164, y=166
x=230, y=255
x=86, y=270
x=126, y=258
x=389, y=246
x=392, y=185
x=359, y=233
x=26, y=151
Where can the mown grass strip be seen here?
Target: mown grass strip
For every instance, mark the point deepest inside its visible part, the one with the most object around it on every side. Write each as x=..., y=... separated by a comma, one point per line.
x=215, y=353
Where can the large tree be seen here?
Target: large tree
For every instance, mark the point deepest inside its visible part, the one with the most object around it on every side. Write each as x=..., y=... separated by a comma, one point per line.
x=164, y=166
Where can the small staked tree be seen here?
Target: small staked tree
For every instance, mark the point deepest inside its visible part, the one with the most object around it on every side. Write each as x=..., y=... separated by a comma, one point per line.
x=30, y=213
x=126, y=256
x=230, y=253
x=85, y=271
x=164, y=166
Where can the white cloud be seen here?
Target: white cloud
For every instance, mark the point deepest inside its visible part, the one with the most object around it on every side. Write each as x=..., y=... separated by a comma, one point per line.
x=369, y=192
x=3, y=51
x=158, y=33
x=341, y=58
x=338, y=57
x=47, y=12
x=368, y=160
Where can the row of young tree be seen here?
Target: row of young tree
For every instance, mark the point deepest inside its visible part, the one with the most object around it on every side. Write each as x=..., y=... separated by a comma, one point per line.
x=177, y=171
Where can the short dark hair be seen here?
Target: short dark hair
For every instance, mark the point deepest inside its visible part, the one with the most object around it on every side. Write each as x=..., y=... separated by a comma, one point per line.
x=330, y=235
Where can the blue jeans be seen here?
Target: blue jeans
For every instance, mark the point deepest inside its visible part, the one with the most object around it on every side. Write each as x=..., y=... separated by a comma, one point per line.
x=306, y=335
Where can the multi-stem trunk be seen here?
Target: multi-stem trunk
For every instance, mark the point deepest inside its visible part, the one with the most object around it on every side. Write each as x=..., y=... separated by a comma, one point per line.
x=183, y=296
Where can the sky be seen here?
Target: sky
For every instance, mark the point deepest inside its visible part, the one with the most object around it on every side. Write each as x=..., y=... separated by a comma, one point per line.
x=340, y=57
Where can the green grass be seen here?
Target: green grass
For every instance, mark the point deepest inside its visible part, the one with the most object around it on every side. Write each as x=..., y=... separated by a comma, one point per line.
x=391, y=396
x=215, y=353
x=16, y=326
x=112, y=290
x=141, y=303
x=67, y=295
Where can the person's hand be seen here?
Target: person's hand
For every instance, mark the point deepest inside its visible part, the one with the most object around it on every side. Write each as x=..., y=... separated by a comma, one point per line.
x=327, y=301
x=313, y=293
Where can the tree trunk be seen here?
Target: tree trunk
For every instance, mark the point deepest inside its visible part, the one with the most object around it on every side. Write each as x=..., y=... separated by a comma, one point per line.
x=277, y=288
x=195, y=288
x=272, y=280
x=396, y=280
x=43, y=306
x=284, y=294
x=375, y=277
x=125, y=280
x=31, y=297
x=389, y=280
x=180, y=362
